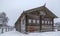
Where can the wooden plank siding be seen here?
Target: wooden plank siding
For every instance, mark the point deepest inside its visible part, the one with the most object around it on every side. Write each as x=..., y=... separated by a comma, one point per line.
x=49, y=26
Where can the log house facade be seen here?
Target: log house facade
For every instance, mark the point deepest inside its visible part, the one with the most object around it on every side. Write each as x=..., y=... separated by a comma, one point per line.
x=39, y=19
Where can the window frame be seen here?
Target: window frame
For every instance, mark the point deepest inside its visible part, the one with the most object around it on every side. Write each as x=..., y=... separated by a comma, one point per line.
x=38, y=21
x=29, y=21
x=34, y=21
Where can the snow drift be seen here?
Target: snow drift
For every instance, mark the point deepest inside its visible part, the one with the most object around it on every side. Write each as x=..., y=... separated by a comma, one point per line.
x=16, y=33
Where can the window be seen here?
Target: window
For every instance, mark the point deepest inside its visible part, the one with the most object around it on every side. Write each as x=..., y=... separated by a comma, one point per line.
x=51, y=22
x=42, y=13
x=48, y=22
x=45, y=22
x=34, y=21
x=29, y=20
x=38, y=21
x=42, y=21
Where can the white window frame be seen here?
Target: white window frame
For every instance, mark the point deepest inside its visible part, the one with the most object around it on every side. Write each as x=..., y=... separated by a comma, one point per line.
x=45, y=21
x=34, y=21
x=29, y=20
x=37, y=21
x=42, y=21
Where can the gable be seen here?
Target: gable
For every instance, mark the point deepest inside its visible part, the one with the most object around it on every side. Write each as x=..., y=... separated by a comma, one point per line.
x=36, y=11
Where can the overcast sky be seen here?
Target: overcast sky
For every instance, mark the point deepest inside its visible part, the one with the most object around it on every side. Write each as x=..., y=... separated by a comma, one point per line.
x=13, y=8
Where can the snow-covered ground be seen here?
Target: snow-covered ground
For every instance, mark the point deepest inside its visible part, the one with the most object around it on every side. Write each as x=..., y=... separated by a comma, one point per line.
x=16, y=33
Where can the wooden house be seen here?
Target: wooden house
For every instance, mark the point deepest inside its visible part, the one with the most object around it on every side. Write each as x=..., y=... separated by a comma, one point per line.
x=39, y=19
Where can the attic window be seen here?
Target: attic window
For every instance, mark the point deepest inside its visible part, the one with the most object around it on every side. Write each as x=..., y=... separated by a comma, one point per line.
x=42, y=13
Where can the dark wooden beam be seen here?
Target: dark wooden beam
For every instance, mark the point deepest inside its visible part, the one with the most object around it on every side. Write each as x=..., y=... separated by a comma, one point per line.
x=52, y=24
x=20, y=26
x=26, y=23
x=40, y=23
x=31, y=21
x=47, y=22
